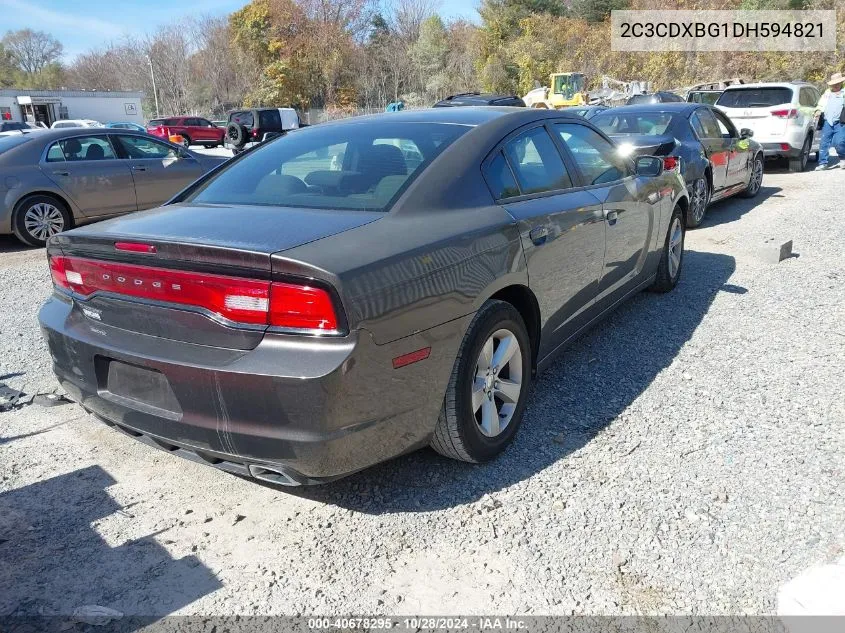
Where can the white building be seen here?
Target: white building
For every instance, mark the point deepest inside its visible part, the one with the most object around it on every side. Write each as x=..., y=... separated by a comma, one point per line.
x=52, y=105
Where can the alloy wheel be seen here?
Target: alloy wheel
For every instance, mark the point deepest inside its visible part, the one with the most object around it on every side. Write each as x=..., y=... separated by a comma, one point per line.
x=497, y=383
x=676, y=247
x=699, y=199
x=756, y=177
x=43, y=220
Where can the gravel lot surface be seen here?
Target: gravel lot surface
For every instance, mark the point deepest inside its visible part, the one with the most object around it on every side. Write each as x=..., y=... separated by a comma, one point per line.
x=686, y=456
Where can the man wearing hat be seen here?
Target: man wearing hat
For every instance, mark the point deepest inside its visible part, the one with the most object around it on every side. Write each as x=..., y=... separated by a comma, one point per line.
x=832, y=107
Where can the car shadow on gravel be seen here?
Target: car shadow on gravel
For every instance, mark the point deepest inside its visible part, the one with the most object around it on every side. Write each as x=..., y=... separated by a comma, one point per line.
x=575, y=399
x=53, y=560
x=10, y=244
x=733, y=208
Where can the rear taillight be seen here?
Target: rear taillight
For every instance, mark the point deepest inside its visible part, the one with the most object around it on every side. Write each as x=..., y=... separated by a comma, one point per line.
x=254, y=134
x=785, y=114
x=249, y=301
x=671, y=162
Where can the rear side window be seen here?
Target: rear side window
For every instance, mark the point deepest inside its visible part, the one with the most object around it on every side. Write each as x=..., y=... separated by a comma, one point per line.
x=598, y=160
x=54, y=154
x=536, y=162
x=352, y=167
x=269, y=119
x=500, y=178
x=87, y=148
x=808, y=97
x=755, y=97
x=155, y=122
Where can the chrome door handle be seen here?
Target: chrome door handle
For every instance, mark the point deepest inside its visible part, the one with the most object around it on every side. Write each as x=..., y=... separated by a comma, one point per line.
x=539, y=234
x=138, y=168
x=611, y=216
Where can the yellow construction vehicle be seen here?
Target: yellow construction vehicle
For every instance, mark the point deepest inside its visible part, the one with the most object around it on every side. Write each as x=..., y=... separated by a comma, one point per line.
x=567, y=89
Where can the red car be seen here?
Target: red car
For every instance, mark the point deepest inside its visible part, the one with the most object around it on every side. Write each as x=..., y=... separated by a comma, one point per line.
x=193, y=130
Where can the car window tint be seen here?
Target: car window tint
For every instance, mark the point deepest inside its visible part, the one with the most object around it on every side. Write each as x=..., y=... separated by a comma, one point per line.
x=244, y=118
x=598, y=160
x=87, y=148
x=708, y=126
x=139, y=147
x=537, y=162
x=269, y=119
x=410, y=152
x=500, y=178
x=54, y=154
x=155, y=122
x=641, y=123
x=357, y=167
x=755, y=97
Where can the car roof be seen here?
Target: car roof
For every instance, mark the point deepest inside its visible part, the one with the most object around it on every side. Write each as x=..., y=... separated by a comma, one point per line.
x=67, y=132
x=476, y=97
x=678, y=107
x=470, y=115
x=770, y=84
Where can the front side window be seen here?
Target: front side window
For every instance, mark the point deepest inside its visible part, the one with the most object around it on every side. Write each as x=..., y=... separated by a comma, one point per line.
x=537, y=162
x=597, y=159
x=357, y=166
x=140, y=147
x=87, y=148
x=705, y=124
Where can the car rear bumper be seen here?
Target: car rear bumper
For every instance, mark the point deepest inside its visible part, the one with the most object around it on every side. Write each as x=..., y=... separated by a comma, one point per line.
x=293, y=410
x=781, y=149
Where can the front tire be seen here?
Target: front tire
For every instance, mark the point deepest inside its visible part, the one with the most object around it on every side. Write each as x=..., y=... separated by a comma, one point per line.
x=755, y=181
x=672, y=257
x=38, y=218
x=186, y=141
x=487, y=391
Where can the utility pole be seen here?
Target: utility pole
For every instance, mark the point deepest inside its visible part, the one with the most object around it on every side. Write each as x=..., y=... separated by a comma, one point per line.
x=153, y=77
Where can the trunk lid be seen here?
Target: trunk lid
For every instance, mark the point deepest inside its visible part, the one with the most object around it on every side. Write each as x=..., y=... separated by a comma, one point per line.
x=230, y=241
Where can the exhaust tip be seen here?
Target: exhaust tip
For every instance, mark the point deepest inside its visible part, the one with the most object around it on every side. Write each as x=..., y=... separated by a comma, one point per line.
x=273, y=475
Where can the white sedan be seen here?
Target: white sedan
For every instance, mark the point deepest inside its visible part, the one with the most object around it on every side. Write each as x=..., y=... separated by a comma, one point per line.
x=76, y=123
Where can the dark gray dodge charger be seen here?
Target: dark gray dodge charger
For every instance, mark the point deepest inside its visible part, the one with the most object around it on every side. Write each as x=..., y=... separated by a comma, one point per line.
x=359, y=289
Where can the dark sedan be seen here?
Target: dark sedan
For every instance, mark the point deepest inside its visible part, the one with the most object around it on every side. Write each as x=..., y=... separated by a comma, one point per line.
x=716, y=160
x=56, y=179
x=320, y=304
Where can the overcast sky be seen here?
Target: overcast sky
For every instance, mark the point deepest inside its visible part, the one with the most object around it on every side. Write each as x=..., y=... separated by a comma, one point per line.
x=104, y=21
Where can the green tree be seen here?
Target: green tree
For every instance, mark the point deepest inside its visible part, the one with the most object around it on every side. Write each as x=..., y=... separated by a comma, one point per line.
x=429, y=54
x=597, y=10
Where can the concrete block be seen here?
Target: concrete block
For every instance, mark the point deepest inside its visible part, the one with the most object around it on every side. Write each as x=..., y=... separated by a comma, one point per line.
x=772, y=251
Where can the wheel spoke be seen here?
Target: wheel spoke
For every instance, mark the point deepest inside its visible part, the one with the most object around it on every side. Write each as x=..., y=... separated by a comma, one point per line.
x=486, y=359
x=507, y=348
x=478, y=394
x=490, y=417
x=508, y=390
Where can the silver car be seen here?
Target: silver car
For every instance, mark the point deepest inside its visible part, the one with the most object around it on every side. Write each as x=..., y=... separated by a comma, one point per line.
x=52, y=180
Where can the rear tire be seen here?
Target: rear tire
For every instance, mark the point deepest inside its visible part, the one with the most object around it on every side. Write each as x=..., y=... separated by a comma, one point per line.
x=487, y=391
x=38, y=218
x=699, y=201
x=186, y=140
x=799, y=163
x=672, y=257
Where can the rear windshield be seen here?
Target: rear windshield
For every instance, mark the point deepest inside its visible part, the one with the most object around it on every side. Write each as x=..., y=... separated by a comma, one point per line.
x=642, y=99
x=633, y=123
x=755, y=97
x=8, y=142
x=350, y=167
x=709, y=98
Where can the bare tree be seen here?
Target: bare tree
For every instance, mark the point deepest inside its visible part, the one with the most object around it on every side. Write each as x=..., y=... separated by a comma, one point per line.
x=32, y=50
x=407, y=16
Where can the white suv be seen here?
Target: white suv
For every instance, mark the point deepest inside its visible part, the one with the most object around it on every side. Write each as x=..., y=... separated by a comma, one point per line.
x=780, y=114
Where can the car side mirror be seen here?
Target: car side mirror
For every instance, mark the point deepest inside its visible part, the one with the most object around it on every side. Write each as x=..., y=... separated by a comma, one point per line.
x=649, y=166
x=746, y=133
